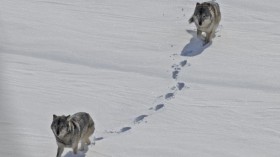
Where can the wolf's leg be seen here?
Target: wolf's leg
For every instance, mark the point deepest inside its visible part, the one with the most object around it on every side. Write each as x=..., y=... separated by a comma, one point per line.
x=198, y=33
x=208, y=37
x=83, y=145
x=75, y=147
x=88, y=134
x=88, y=141
x=212, y=35
x=215, y=30
x=59, y=151
x=85, y=141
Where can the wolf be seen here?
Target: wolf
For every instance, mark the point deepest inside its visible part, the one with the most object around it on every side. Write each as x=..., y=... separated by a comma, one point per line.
x=206, y=17
x=69, y=130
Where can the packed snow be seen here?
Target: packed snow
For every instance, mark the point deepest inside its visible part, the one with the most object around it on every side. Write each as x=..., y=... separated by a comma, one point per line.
x=137, y=67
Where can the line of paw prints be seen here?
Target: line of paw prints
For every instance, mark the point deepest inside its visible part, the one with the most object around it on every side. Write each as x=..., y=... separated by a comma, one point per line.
x=159, y=106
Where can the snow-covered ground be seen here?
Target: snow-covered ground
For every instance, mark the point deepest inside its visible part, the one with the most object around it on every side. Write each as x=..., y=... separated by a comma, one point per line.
x=137, y=67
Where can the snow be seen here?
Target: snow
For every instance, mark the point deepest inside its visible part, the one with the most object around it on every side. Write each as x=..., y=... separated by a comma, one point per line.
x=139, y=70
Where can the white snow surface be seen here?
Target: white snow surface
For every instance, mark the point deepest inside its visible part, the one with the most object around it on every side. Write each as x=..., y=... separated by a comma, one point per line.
x=138, y=68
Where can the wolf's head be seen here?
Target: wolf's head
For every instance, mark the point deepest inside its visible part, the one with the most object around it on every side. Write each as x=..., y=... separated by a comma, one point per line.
x=202, y=15
x=60, y=125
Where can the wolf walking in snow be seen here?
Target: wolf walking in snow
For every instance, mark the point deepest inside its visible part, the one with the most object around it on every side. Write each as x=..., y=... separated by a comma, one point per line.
x=206, y=17
x=69, y=130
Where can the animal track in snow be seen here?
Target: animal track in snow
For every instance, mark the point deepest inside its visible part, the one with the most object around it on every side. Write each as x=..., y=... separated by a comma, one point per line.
x=95, y=139
x=140, y=118
x=160, y=102
x=173, y=88
x=159, y=106
x=180, y=85
x=175, y=74
x=169, y=96
x=98, y=138
x=124, y=129
x=183, y=63
x=177, y=68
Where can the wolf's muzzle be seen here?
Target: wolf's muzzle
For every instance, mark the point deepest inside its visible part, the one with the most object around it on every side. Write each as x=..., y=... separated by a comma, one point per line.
x=57, y=131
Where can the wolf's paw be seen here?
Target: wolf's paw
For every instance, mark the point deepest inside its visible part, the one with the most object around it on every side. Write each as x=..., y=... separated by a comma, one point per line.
x=88, y=142
x=83, y=148
x=207, y=43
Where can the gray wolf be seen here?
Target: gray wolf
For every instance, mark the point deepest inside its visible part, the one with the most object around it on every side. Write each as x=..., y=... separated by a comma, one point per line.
x=69, y=130
x=206, y=17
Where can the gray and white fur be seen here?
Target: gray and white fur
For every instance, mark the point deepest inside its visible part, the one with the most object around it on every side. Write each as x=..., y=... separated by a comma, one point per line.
x=69, y=130
x=206, y=17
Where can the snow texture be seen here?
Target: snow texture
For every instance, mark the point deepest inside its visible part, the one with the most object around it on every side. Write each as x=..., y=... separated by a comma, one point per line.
x=139, y=70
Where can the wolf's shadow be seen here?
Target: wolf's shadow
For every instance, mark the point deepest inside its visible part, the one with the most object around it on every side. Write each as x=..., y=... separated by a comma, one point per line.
x=195, y=46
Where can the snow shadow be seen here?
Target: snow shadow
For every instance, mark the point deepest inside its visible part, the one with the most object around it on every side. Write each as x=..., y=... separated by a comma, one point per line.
x=71, y=154
x=195, y=46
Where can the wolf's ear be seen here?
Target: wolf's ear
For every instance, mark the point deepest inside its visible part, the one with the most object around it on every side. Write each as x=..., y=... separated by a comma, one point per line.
x=197, y=3
x=191, y=20
x=208, y=4
x=67, y=117
x=54, y=116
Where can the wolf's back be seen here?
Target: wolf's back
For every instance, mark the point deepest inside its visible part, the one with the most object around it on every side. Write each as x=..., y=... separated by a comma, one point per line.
x=84, y=121
x=215, y=8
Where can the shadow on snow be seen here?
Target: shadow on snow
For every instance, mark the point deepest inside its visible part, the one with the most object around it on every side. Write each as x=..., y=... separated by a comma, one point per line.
x=195, y=46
